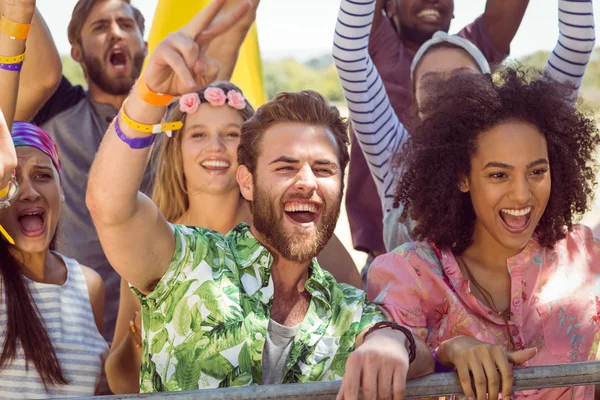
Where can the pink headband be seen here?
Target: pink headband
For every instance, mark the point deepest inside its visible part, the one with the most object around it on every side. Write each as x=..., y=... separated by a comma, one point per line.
x=215, y=96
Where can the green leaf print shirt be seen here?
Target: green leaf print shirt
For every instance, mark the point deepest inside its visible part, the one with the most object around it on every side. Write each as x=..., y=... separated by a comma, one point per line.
x=205, y=324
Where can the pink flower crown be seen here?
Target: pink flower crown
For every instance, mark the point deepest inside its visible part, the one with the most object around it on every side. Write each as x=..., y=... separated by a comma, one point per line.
x=215, y=96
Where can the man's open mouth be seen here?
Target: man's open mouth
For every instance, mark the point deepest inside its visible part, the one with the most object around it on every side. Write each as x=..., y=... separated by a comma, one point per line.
x=302, y=212
x=429, y=15
x=118, y=59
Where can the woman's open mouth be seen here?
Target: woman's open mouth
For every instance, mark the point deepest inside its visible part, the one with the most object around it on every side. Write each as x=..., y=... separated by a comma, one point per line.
x=215, y=166
x=516, y=220
x=302, y=212
x=32, y=222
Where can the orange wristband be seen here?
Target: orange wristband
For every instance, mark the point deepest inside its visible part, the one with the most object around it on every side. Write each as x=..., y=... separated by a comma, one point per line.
x=14, y=29
x=150, y=97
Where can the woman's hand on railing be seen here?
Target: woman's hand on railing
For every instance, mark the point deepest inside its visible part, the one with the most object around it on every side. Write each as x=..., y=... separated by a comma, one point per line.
x=471, y=356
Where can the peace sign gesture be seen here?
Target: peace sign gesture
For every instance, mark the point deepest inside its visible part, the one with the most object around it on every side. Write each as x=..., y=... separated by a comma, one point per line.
x=179, y=63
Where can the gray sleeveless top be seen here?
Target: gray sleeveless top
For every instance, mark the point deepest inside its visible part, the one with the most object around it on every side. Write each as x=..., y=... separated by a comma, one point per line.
x=67, y=315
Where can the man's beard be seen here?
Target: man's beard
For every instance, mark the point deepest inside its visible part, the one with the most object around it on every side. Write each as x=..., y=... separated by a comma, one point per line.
x=114, y=86
x=299, y=247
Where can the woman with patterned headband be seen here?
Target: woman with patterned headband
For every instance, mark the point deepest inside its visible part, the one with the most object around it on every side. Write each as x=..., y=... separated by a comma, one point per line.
x=195, y=184
x=51, y=307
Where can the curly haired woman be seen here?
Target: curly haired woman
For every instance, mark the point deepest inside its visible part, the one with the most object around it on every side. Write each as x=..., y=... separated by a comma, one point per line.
x=380, y=132
x=494, y=177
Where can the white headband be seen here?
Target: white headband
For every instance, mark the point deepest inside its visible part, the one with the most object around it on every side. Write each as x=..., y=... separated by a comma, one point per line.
x=443, y=37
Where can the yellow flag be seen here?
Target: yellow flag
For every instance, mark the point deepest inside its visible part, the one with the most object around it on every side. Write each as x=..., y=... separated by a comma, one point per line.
x=171, y=15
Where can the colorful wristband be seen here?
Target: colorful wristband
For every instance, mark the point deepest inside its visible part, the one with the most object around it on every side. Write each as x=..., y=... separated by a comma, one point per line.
x=6, y=236
x=134, y=143
x=150, y=97
x=14, y=30
x=6, y=195
x=439, y=367
x=9, y=192
x=156, y=128
x=12, y=59
x=12, y=67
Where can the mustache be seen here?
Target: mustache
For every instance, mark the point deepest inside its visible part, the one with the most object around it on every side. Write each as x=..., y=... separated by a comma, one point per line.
x=418, y=7
x=124, y=49
x=303, y=197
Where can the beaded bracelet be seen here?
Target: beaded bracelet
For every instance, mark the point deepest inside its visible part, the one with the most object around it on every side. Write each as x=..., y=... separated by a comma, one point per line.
x=412, y=346
x=134, y=143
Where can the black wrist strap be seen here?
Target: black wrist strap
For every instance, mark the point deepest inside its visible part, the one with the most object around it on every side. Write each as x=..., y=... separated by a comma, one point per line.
x=412, y=346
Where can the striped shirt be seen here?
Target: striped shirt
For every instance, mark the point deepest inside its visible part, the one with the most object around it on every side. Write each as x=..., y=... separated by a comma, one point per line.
x=67, y=315
x=378, y=128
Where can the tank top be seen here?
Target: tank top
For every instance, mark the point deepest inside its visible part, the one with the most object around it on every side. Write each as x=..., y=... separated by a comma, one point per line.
x=67, y=315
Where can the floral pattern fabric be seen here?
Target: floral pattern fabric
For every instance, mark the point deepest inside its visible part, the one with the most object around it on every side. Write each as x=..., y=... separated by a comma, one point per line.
x=554, y=301
x=205, y=324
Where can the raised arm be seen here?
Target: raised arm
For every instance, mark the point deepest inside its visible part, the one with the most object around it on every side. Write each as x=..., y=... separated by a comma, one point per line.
x=21, y=12
x=377, y=128
x=8, y=155
x=42, y=70
x=569, y=59
x=226, y=47
x=502, y=19
x=136, y=238
x=124, y=362
x=378, y=15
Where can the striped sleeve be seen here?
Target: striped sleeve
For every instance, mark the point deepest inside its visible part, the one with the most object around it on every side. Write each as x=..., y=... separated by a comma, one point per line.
x=377, y=128
x=569, y=59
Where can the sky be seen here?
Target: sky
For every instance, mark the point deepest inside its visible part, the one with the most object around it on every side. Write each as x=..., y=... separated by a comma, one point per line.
x=304, y=28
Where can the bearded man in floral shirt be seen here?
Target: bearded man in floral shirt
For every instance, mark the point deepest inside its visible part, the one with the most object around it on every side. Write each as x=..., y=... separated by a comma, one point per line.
x=251, y=307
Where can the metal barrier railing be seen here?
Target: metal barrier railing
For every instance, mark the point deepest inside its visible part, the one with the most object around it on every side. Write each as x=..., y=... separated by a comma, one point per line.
x=446, y=384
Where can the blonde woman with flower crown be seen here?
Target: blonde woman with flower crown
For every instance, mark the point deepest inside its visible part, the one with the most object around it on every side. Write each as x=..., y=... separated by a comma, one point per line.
x=195, y=184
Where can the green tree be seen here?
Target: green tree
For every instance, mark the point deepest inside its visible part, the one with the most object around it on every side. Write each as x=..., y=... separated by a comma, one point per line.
x=291, y=75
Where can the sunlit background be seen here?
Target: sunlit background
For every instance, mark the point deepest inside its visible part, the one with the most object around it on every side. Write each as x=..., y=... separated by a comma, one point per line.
x=295, y=38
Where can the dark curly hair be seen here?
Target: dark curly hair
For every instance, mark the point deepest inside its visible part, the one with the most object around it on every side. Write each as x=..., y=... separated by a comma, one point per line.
x=438, y=153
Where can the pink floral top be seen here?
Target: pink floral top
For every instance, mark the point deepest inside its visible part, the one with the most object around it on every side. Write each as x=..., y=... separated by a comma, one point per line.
x=555, y=305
